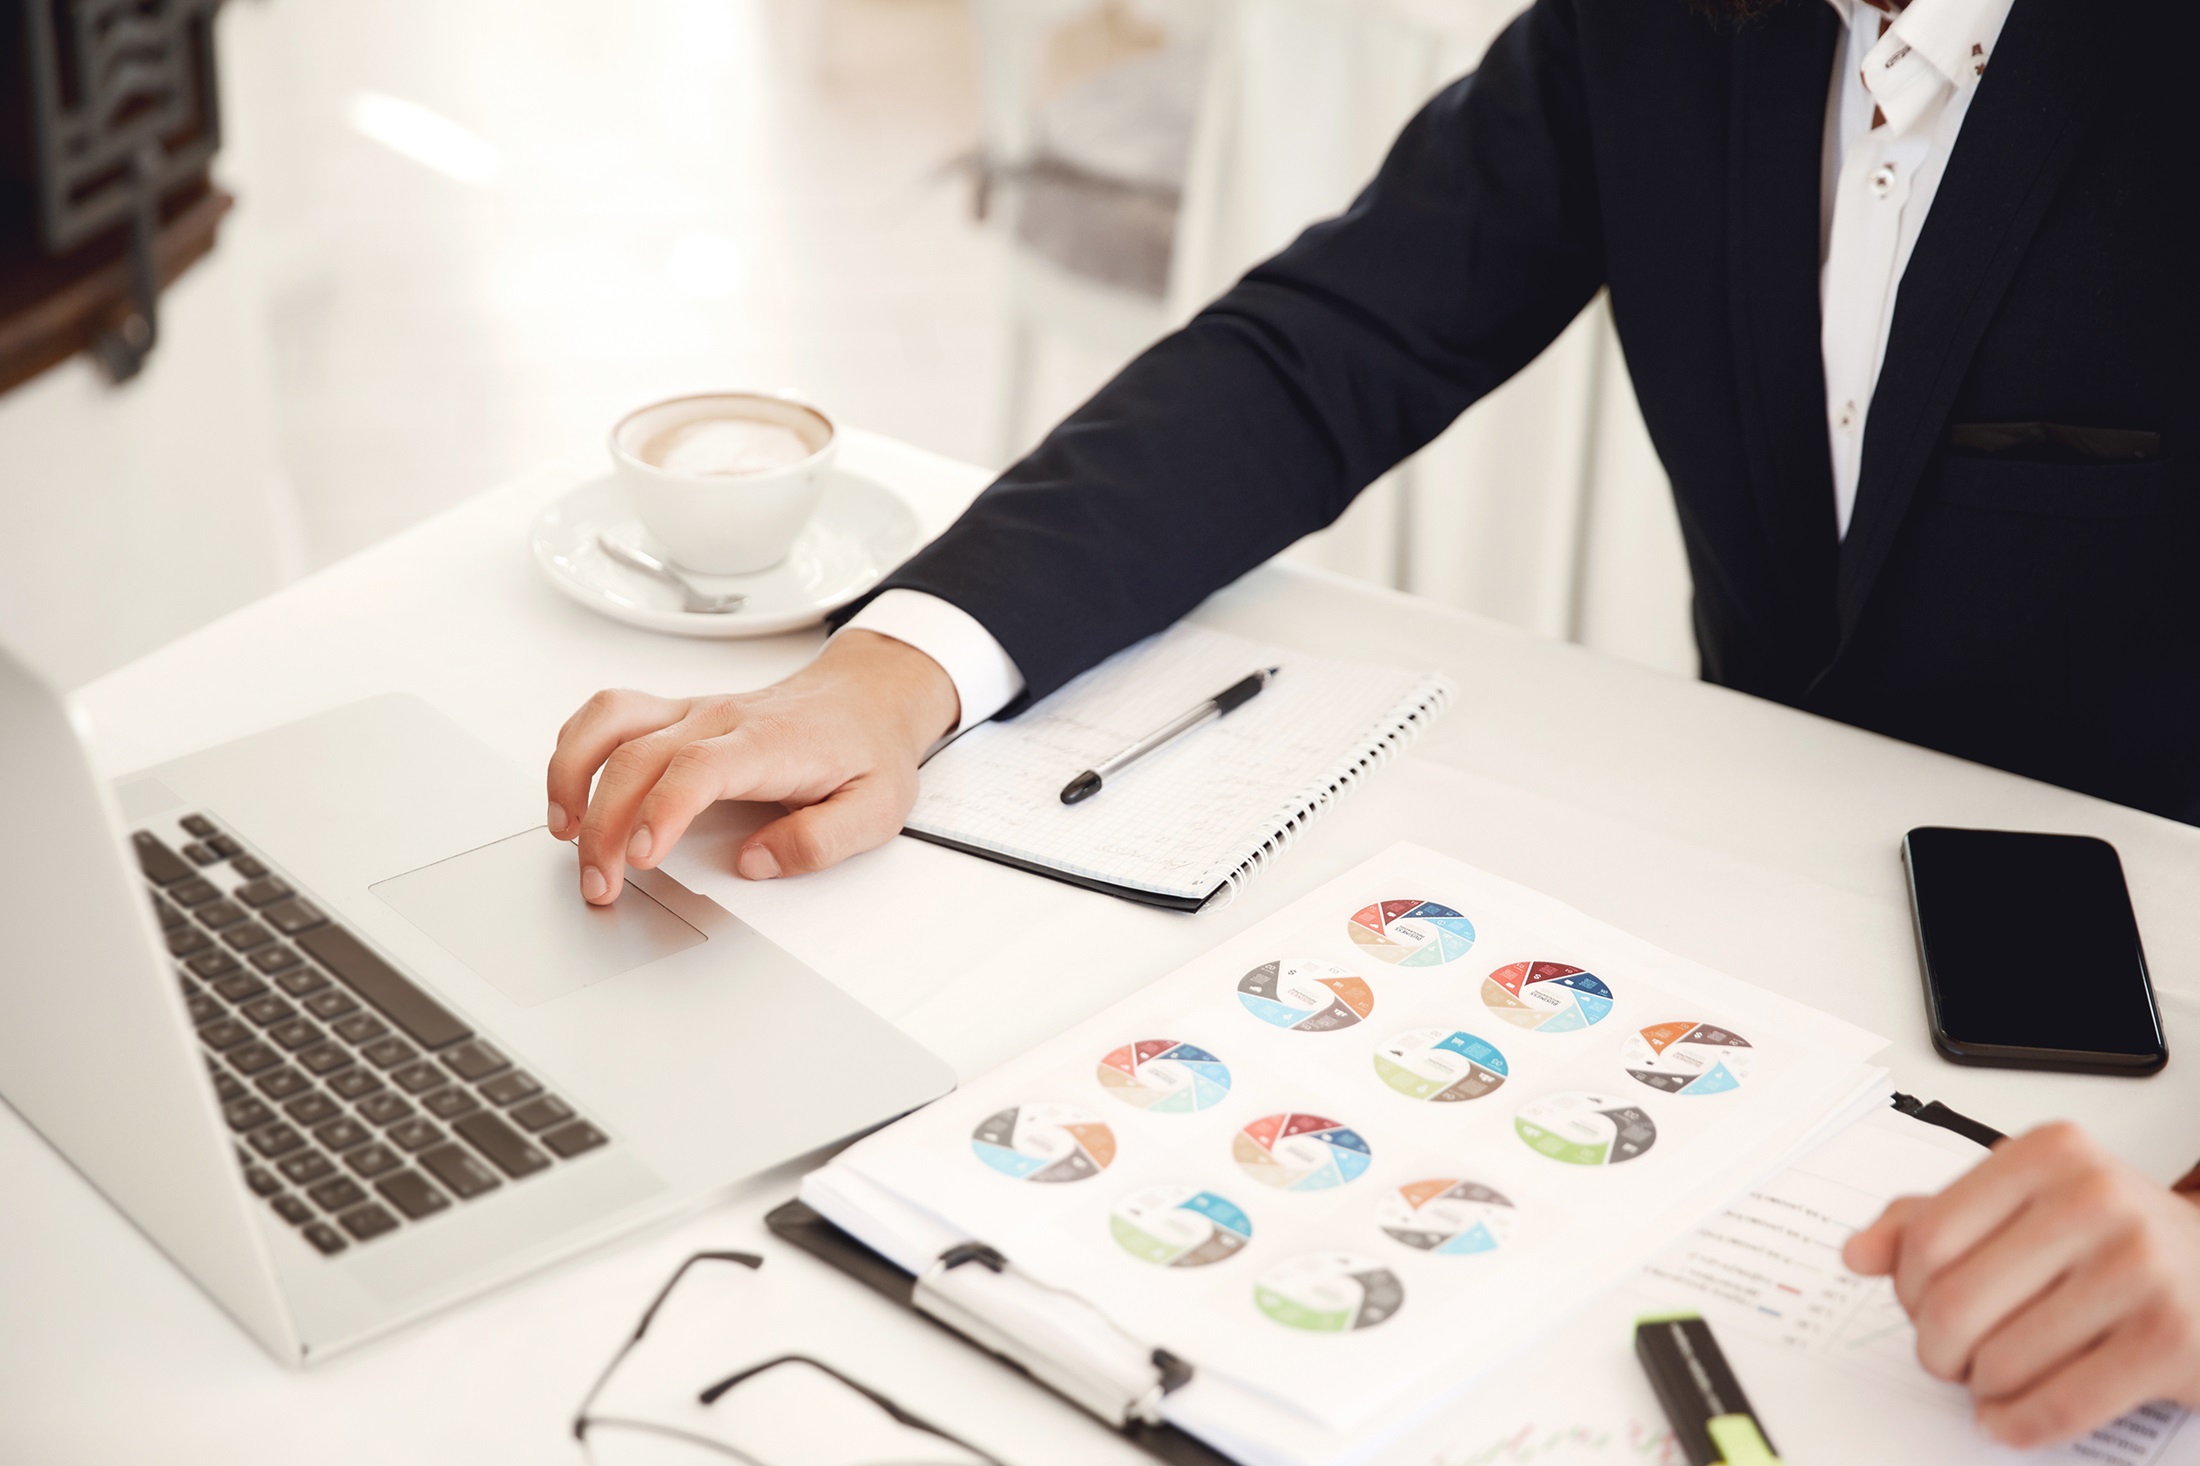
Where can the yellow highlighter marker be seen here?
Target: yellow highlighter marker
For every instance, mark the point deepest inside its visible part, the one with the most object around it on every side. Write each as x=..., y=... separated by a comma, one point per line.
x=1711, y=1417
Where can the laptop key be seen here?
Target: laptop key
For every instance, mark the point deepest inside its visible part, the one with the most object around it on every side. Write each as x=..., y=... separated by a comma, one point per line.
x=251, y=1058
x=240, y=989
x=196, y=891
x=416, y=1077
x=427, y=1022
x=336, y=1195
x=325, y=1238
x=323, y=1058
x=460, y=1171
x=266, y=1009
x=275, y=959
x=388, y=1053
x=297, y=1033
x=277, y=1139
x=246, y=935
x=368, y=1222
x=307, y=1167
x=296, y=915
x=226, y=1086
x=342, y=1135
x=213, y=964
x=541, y=1114
x=410, y=1193
x=476, y=1060
x=384, y=1109
x=183, y=941
x=265, y=891
x=509, y=1088
x=200, y=853
x=360, y=1028
x=246, y=1114
x=203, y=1008
x=355, y=1083
x=449, y=1104
x=512, y=1152
x=224, y=846
x=248, y=867
x=170, y=918
x=263, y=1183
x=199, y=826
x=224, y=1033
x=219, y=913
x=414, y=1134
x=301, y=981
x=575, y=1138
x=281, y=1084
x=162, y=866
x=334, y=1003
x=373, y=1159
x=292, y=1210
x=312, y=1109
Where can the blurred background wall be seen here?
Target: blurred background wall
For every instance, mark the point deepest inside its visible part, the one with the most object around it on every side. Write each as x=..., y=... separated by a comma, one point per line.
x=470, y=233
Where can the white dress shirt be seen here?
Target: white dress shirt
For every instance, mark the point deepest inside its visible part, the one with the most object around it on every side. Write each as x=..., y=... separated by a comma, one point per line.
x=1902, y=84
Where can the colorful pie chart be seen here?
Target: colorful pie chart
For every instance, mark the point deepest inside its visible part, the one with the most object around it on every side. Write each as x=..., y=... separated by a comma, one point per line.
x=1164, y=1076
x=1449, y=1217
x=1303, y=994
x=1586, y=1129
x=1329, y=1293
x=1294, y=1152
x=1412, y=933
x=1179, y=1226
x=1044, y=1142
x=1549, y=997
x=1688, y=1058
x=1441, y=1064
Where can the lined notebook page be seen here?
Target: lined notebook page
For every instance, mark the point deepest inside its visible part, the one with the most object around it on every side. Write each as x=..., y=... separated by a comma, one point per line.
x=1181, y=821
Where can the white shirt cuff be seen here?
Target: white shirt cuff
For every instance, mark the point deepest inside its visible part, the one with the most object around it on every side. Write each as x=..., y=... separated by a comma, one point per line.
x=984, y=676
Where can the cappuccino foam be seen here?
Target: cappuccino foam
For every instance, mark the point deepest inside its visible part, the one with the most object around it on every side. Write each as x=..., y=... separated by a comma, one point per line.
x=731, y=447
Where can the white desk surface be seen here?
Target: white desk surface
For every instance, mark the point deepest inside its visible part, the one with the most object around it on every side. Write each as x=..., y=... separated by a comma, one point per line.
x=1745, y=835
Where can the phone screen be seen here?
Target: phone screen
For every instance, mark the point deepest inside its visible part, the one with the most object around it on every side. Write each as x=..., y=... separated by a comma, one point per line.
x=2031, y=951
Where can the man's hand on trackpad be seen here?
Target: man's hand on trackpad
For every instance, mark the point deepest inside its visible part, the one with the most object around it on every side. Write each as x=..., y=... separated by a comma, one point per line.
x=837, y=743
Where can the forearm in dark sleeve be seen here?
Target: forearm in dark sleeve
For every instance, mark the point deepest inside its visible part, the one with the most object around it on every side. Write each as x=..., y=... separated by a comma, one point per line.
x=1258, y=422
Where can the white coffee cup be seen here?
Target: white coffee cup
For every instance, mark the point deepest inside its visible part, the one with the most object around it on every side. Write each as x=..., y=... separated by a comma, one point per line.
x=724, y=480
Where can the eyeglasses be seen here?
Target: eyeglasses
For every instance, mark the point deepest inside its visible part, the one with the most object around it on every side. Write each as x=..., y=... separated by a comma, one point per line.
x=791, y=1410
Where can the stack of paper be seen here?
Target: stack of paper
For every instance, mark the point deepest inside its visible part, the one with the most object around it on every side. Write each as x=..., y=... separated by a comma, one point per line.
x=1366, y=1150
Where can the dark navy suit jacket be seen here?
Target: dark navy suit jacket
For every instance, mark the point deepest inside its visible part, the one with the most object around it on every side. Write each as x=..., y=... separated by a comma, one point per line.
x=2037, y=608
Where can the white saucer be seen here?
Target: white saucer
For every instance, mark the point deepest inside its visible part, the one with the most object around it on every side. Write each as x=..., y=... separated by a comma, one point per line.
x=861, y=530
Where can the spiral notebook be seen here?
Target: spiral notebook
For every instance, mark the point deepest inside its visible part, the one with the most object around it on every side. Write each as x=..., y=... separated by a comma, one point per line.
x=1189, y=824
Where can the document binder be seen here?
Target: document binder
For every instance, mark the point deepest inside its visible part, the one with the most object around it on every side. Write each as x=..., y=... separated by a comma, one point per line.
x=1123, y=1390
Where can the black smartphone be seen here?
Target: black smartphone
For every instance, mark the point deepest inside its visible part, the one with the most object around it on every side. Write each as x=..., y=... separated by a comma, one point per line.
x=2031, y=953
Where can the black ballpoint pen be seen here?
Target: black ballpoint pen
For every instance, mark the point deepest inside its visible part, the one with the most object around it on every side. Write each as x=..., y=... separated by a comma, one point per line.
x=1087, y=784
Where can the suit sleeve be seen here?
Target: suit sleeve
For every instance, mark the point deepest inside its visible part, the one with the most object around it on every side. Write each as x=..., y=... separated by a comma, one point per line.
x=1259, y=422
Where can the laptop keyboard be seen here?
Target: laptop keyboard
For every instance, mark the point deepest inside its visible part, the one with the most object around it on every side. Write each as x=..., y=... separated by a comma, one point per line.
x=360, y=1103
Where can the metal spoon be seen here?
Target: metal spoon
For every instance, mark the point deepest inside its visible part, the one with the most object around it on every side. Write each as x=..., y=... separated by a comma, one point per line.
x=701, y=602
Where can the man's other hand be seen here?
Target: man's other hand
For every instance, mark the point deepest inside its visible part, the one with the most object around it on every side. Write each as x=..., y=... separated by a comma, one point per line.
x=837, y=743
x=2057, y=1282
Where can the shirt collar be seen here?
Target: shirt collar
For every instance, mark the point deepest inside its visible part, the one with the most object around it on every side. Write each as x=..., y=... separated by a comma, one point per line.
x=1932, y=48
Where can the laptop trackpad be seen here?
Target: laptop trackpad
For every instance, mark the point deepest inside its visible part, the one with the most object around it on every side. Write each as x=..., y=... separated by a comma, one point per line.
x=512, y=913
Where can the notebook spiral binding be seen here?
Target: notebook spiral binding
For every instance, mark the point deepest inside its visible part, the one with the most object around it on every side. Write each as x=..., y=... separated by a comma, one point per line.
x=1401, y=729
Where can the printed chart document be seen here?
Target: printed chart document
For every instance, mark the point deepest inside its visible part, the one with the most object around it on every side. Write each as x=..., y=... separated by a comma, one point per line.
x=1366, y=1150
x=1828, y=1358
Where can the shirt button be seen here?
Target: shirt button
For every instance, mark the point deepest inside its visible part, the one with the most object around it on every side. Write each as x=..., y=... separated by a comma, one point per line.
x=1883, y=180
x=1846, y=420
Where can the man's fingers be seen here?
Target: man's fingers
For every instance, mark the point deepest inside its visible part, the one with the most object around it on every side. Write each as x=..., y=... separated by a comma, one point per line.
x=631, y=771
x=603, y=723
x=1980, y=1203
x=1872, y=1252
x=2125, y=1370
x=695, y=778
x=864, y=813
x=2061, y=1324
x=1986, y=1287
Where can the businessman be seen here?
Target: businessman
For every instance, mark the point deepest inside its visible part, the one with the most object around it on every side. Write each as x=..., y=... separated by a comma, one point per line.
x=1907, y=294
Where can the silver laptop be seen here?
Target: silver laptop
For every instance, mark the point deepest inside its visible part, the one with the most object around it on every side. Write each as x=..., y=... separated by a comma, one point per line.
x=321, y=1011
